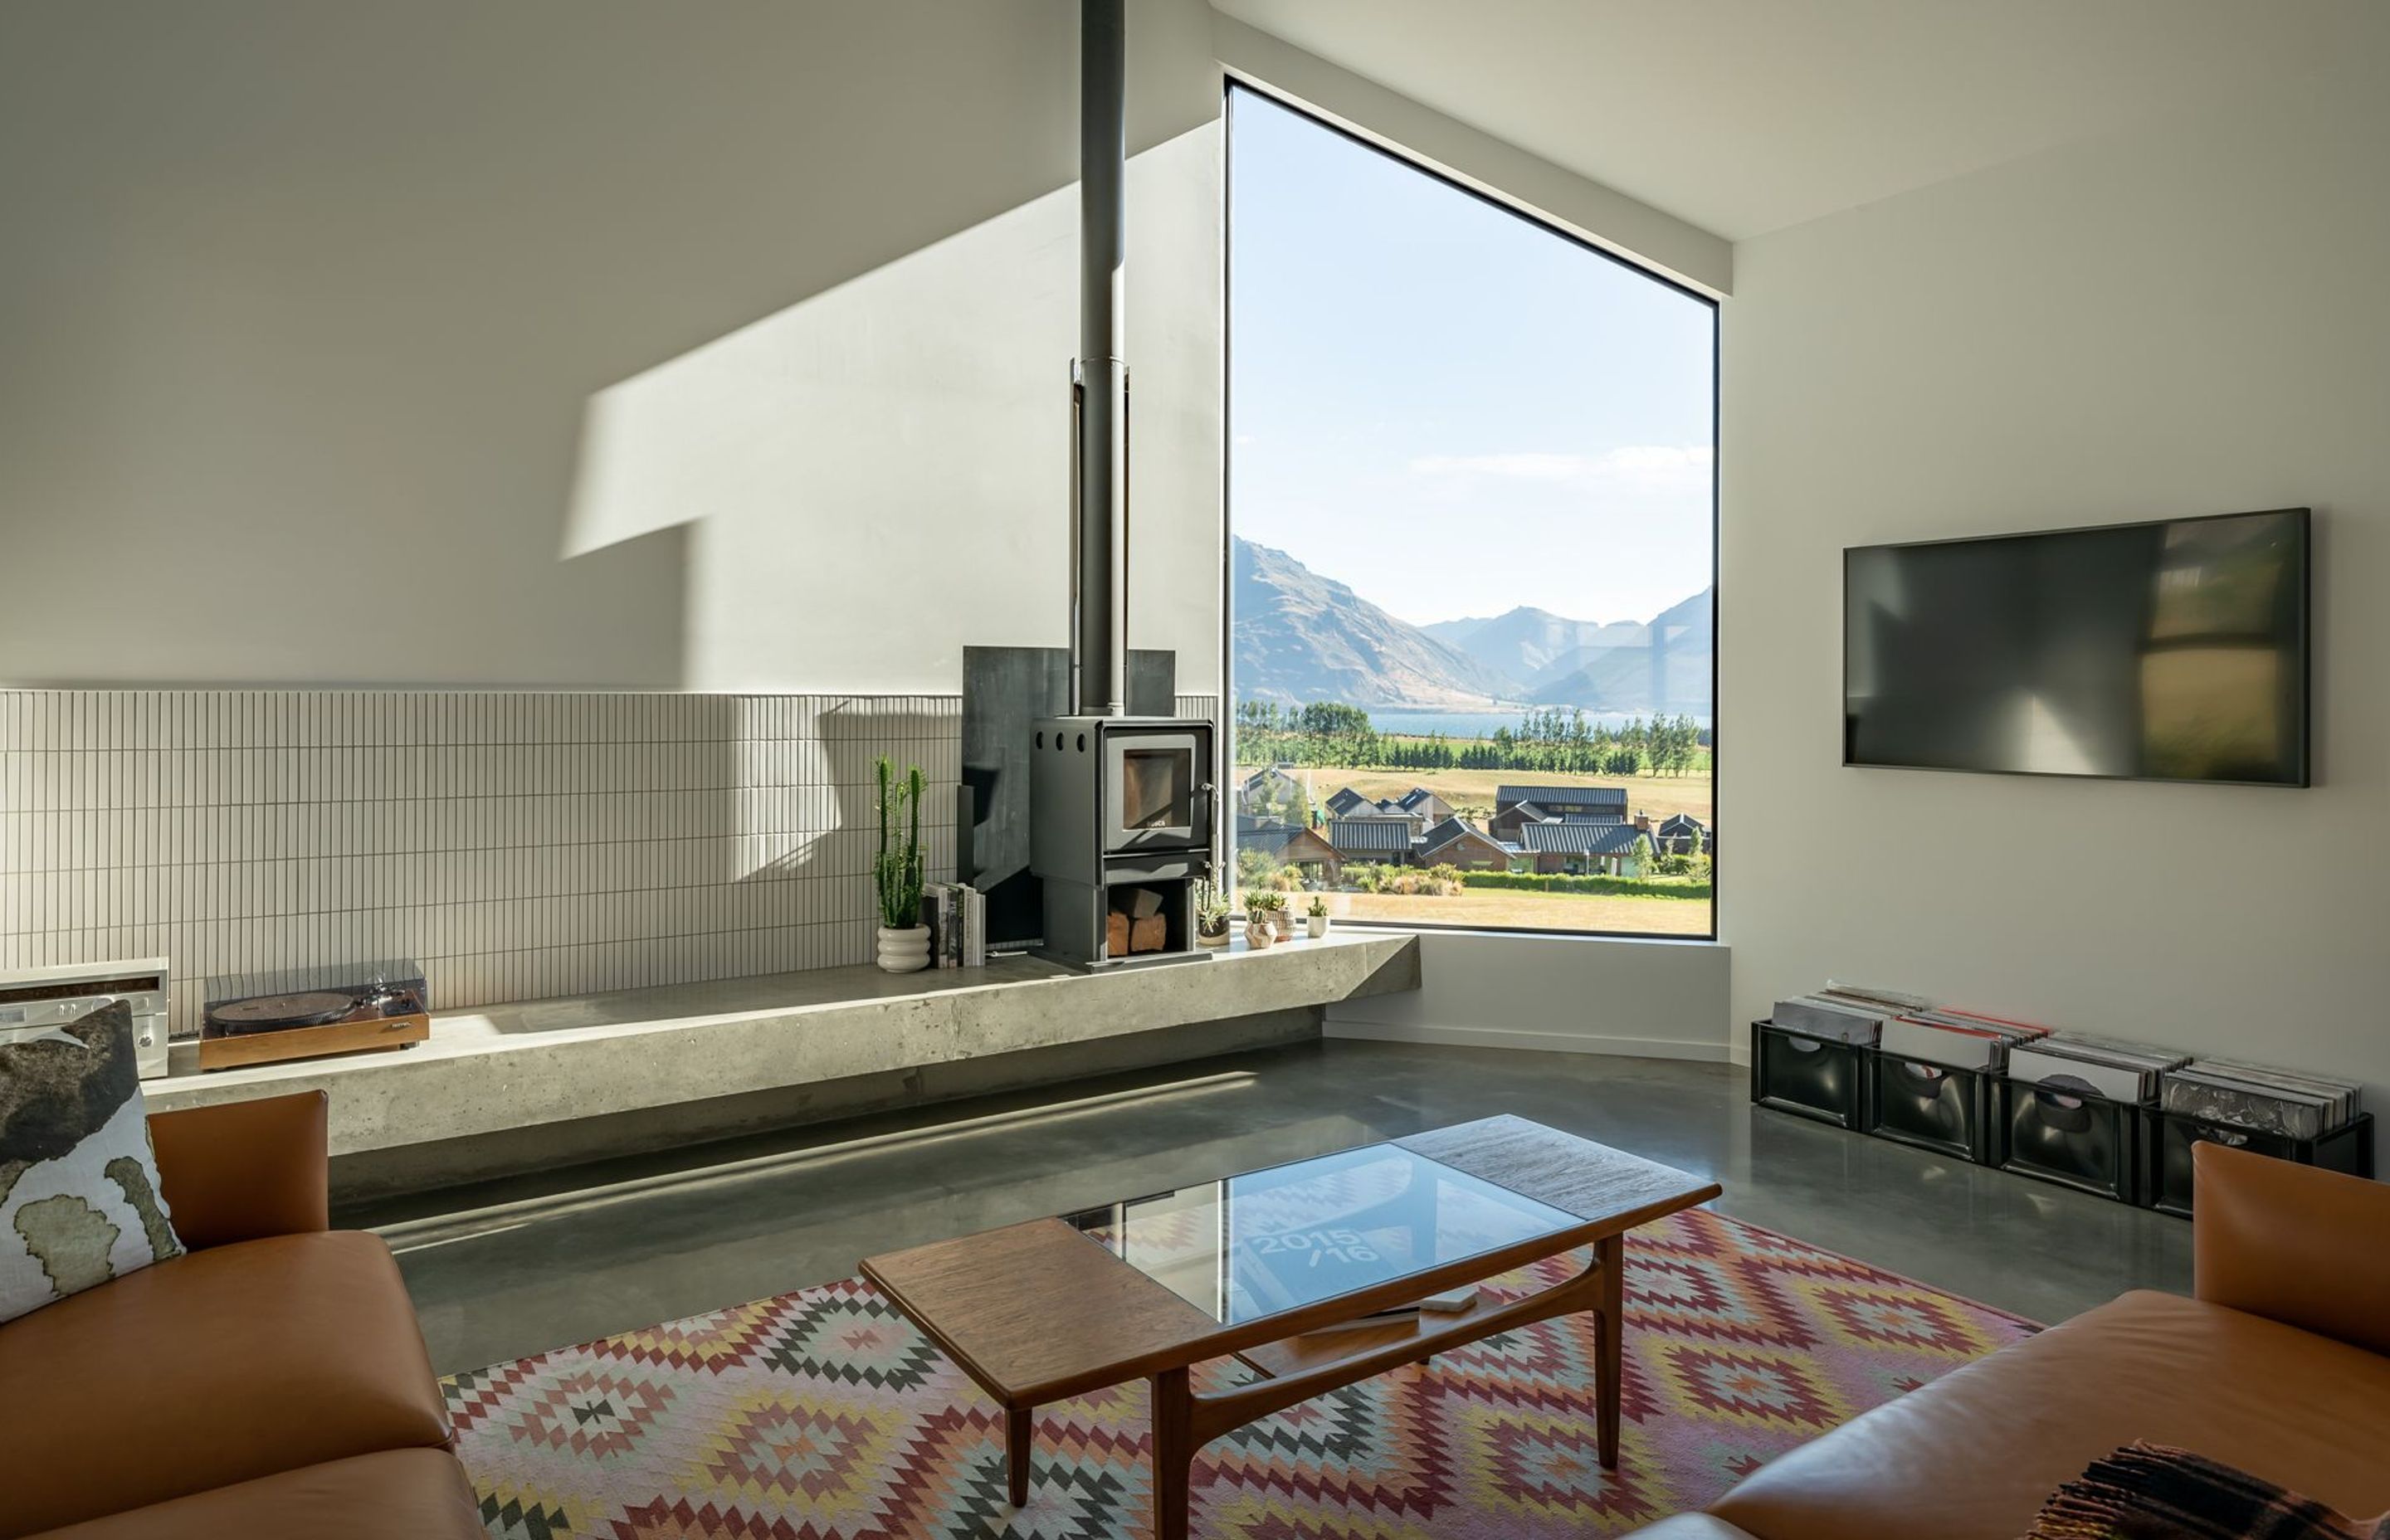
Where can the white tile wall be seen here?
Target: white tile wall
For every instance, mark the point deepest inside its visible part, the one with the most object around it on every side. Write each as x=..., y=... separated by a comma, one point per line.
x=518, y=846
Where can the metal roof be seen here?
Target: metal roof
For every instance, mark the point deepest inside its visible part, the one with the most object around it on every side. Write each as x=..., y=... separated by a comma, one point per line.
x=1272, y=839
x=1565, y=838
x=1562, y=796
x=1450, y=829
x=1370, y=836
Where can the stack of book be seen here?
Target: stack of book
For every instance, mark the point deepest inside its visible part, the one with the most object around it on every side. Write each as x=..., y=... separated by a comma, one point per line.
x=2102, y=1067
x=1843, y=1013
x=1955, y=1039
x=957, y=916
x=2253, y=1095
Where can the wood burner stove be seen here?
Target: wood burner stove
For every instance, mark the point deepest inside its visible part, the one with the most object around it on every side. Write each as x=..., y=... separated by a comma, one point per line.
x=1121, y=829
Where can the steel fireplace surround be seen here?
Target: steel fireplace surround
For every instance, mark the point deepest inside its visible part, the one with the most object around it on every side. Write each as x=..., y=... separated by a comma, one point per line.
x=1121, y=828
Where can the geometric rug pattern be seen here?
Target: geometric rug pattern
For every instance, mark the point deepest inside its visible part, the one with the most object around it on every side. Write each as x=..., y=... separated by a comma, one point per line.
x=825, y=1416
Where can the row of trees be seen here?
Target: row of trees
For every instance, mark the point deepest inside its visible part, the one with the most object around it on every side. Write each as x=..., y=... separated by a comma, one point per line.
x=1329, y=735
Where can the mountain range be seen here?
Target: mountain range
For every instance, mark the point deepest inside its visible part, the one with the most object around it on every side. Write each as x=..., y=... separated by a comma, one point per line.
x=1303, y=636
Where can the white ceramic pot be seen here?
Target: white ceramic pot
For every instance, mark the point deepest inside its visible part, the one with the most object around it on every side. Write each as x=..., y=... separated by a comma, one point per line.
x=1259, y=933
x=905, y=950
x=1316, y=927
x=1211, y=942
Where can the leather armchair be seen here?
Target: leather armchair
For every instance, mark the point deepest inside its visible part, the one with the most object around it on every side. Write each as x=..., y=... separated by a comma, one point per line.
x=274, y=1382
x=2306, y=1247
x=2279, y=1364
x=245, y=1169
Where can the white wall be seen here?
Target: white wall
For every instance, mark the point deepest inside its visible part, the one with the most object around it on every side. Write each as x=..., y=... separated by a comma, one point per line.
x=580, y=342
x=2190, y=319
x=1657, y=999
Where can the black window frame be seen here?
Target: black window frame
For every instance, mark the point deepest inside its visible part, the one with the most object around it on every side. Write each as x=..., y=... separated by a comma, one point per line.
x=1231, y=85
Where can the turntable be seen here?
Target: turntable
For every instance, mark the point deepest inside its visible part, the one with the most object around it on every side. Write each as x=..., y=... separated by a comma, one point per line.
x=384, y=1008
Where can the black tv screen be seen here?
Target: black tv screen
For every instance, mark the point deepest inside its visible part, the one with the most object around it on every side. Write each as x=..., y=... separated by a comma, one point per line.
x=2173, y=651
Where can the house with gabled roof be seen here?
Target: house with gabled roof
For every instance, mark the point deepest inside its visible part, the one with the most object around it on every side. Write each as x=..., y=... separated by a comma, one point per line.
x=1274, y=782
x=1426, y=805
x=1516, y=806
x=1455, y=841
x=1682, y=834
x=1347, y=801
x=1295, y=845
x=1584, y=847
x=1374, y=838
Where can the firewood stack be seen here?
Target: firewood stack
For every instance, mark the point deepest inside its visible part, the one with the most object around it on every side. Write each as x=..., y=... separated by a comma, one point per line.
x=1135, y=923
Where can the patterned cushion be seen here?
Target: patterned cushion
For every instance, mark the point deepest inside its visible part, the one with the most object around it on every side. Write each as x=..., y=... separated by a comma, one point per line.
x=79, y=1197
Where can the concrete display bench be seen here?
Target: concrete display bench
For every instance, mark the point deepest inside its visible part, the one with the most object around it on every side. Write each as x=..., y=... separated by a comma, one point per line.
x=506, y=1087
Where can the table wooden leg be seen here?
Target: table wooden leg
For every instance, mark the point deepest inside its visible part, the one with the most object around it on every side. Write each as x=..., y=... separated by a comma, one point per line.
x=1609, y=1328
x=1016, y=1454
x=1173, y=1452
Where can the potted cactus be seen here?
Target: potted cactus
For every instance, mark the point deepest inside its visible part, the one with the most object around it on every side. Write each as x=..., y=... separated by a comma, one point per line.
x=1260, y=934
x=1270, y=903
x=896, y=871
x=1211, y=916
x=1314, y=920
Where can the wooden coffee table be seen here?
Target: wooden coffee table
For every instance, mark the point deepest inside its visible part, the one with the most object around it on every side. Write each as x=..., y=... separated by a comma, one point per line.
x=1273, y=1266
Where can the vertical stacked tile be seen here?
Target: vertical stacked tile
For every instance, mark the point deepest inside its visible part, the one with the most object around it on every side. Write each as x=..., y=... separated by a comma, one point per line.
x=519, y=845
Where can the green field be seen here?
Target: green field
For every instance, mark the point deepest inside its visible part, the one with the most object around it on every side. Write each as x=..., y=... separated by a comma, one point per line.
x=1650, y=917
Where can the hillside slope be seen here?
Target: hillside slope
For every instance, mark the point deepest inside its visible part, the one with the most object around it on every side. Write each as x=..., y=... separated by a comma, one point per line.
x=1302, y=638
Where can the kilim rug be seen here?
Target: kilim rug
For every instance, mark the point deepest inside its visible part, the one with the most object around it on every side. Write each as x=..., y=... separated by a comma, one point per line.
x=824, y=1416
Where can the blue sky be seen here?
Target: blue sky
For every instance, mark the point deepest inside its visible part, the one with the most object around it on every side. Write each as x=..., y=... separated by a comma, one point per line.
x=1446, y=406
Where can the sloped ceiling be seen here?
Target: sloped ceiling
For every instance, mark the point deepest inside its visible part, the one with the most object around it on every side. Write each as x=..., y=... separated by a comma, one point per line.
x=1746, y=116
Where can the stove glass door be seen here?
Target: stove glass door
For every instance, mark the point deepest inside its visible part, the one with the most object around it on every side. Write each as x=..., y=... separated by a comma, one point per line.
x=1155, y=791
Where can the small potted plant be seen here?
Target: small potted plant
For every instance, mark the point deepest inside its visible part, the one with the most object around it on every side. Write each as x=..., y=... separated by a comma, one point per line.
x=1314, y=920
x=1211, y=917
x=1259, y=932
x=1282, y=918
x=896, y=871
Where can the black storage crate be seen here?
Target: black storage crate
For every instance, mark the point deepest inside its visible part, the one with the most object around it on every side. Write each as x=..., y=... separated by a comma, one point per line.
x=2172, y=1134
x=1815, y=1077
x=2074, y=1139
x=1933, y=1107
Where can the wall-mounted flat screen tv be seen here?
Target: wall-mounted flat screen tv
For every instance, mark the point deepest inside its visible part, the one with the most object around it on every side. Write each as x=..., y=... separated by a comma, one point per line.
x=2173, y=651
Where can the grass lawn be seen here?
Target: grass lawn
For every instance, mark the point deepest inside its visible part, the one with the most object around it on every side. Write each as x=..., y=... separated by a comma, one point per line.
x=1664, y=917
x=1472, y=791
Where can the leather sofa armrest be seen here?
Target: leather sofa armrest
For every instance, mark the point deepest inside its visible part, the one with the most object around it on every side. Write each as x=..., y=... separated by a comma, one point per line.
x=244, y=1169
x=2294, y=1244
x=1692, y=1526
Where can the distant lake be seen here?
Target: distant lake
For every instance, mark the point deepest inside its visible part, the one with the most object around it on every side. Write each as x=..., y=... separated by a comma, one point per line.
x=1426, y=724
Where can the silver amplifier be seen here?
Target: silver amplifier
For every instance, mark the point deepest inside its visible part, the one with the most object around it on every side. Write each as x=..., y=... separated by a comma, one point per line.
x=34, y=999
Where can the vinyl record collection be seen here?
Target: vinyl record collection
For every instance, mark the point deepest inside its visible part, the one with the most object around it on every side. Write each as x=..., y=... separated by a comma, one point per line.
x=2101, y=1113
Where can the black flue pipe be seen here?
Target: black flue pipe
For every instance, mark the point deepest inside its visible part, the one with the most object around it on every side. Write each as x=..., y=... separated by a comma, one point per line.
x=1099, y=479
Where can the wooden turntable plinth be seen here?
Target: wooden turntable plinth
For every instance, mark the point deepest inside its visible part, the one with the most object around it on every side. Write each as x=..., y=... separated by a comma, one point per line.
x=311, y=1023
x=372, y=1034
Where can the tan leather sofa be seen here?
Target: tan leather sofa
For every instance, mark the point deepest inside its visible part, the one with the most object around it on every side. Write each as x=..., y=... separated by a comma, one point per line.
x=2280, y=1364
x=272, y=1382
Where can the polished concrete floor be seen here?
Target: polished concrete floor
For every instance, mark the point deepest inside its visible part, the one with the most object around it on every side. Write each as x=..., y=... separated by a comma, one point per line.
x=511, y=1268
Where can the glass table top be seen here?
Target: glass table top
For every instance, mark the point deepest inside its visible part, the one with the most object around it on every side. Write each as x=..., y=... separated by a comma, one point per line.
x=1289, y=1236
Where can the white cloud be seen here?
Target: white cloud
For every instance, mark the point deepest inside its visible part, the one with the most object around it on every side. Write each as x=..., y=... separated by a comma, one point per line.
x=1653, y=467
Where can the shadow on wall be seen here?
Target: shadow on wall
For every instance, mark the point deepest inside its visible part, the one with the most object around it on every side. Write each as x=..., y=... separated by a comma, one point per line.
x=878, y=475
x=326, y=302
